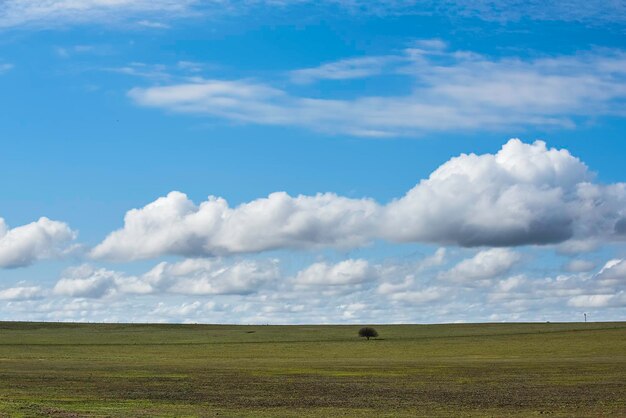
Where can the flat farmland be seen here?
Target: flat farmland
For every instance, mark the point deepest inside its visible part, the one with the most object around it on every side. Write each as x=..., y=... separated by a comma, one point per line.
x=514, y=369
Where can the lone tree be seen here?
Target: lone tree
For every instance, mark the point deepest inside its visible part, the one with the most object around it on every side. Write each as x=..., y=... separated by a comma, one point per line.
x=368, y=332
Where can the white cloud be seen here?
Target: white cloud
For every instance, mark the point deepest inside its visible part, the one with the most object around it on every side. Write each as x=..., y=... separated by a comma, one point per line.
x=524, y=194
x=485, y=265
x=427, y=295
x=603, y=290
x=352, y=310
x=389, y=288
x=511, y=283
x=187, y=277
x=43, y=239
x=22, y=293
x=211, y=277
x=343, y=273
x=613, y=273
x=434, y=260
x=88, y=282
x=597, y=301
x=92, y=287
x=446, y=91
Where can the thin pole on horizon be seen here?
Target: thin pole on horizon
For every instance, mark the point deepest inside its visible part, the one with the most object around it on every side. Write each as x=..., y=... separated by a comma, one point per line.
x=585, y=313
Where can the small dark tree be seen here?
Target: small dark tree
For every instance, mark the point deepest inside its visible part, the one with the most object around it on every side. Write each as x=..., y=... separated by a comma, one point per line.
x=368, y=332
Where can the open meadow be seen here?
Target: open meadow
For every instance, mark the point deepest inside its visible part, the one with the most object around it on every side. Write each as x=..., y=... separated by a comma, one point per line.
x=554, y=369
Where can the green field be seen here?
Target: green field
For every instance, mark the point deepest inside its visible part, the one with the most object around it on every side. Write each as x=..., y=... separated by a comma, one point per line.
x=70, y=370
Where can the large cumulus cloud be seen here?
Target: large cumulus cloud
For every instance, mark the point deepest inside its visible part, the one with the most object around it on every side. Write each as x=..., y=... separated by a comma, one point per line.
x=523, y=194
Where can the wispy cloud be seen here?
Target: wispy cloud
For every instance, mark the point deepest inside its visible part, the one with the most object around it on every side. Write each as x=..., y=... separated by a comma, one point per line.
x=156, y=14
x=445, y=91
x=50, y=13
x=5, y=67
x=345, y=69
x=153, y=24
x=593, y=13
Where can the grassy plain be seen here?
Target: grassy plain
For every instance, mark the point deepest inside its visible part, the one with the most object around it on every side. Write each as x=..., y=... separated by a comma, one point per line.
x=69, y=370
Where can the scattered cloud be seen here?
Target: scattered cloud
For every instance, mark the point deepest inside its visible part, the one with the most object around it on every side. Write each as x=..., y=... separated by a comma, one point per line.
x=343, y=273
x=187, y=277
x=180, y=313
x=485, y=265
x=598, y=301
x=445, y=91
x=87, y=282
x=211, y=276
x=524, y=194
x=23, y=245
x=22, y=293
x=427, y=295
x=613, y=273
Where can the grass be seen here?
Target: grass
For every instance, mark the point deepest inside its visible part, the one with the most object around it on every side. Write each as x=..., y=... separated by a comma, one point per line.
x=72, y=370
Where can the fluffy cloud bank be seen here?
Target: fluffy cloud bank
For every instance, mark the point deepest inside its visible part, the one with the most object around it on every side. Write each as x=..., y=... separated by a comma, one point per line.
x=524, y=194
x=391, y=290
x=23, y=245
x=173, y=224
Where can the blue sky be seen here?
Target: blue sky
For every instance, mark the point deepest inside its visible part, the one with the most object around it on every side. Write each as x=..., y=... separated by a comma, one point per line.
x=358, y=153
